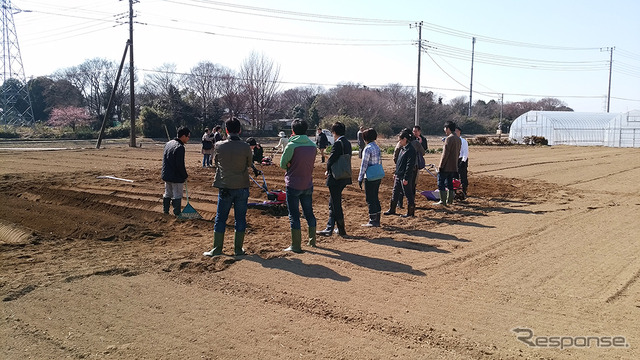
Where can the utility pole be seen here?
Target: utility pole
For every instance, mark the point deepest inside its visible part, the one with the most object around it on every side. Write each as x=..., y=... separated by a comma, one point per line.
x=473, y=47
x=417, y=116
x=500, y=122
x=132, y=139
x=610, y=49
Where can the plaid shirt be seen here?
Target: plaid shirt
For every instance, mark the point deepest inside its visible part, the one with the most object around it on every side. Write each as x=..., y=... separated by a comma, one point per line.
x=370, y=156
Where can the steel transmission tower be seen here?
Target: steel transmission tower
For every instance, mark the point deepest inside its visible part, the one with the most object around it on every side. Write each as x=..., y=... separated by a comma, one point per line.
x=15, y=104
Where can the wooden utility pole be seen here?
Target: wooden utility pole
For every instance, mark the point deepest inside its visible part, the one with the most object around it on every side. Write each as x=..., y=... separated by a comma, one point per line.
x=107, y=113
x=417, y=116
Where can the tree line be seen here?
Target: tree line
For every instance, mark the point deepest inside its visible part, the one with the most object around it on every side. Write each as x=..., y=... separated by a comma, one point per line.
x=209, y=93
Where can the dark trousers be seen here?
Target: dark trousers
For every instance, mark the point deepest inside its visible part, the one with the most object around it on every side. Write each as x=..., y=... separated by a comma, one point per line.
x=408, y=190
x=371, y=189
x=335, y=204
x=462, y=174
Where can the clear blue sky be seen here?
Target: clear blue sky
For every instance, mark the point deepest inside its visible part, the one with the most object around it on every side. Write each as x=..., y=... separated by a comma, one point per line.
x=523, y=49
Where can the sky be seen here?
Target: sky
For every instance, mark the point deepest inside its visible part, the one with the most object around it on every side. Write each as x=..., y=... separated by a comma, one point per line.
x=523, y=50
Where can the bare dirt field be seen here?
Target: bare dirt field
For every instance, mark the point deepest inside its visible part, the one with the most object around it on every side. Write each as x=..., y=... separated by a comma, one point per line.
x=548, y=241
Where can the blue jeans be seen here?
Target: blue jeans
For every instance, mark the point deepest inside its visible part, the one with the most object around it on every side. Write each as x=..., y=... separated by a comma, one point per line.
x=445, y=180
x=227, y=197
x=304, y=198
x=206, y=160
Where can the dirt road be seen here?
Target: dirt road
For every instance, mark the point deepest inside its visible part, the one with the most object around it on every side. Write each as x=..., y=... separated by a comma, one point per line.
x=548, y=242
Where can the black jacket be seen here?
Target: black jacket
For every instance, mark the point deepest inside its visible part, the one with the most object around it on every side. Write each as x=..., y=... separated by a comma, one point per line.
x=340, y=147
x=321, y=141
x=173, y=168
x=405, y=166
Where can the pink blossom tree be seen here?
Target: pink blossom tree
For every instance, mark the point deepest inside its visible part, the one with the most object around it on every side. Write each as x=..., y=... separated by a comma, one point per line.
x=69, y=116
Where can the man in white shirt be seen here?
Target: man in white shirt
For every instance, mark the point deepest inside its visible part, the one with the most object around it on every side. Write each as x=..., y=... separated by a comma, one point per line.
x=463, y=162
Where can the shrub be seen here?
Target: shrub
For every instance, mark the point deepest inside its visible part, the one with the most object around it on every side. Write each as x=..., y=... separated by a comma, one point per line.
x=535, y=140
x=9, y=134
x=117, y=132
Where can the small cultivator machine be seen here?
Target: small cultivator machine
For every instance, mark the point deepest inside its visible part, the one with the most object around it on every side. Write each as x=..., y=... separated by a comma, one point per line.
x=435, y=194
x=276, y=203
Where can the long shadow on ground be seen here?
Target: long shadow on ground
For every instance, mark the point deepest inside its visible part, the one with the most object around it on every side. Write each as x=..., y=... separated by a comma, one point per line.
x=296, y=266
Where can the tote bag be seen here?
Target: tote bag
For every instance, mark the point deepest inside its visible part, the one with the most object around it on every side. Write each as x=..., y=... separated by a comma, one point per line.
x=341, y=169
x=374, y=172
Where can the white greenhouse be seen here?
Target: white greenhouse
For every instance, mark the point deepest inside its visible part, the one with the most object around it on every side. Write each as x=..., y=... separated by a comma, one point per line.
x=579, y=128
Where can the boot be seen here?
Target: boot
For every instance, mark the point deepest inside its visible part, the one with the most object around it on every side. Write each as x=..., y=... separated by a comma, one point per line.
x=411, y=210
x=326, y=232
x=218, y=240
x=238, y=240
x=443, y=199
x=296, y=241
x=312, y=237
x=166, y=204
x=450, y=195
x=341, y=229
x=392, y=208
x=374, y=220
x=177, y=206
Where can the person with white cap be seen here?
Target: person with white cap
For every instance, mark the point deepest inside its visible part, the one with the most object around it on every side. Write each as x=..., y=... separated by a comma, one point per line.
x=282, y=143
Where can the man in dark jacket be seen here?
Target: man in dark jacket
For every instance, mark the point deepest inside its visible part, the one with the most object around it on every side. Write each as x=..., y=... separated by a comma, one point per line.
x=340, y=147
x=174, y=172
x=404, y=175
x=322, y=142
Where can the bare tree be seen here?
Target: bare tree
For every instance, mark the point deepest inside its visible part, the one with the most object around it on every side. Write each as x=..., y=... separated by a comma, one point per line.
x=95, y=79
x=204, y=80
x=231, y=92
x=260, y=78
x=162, y=81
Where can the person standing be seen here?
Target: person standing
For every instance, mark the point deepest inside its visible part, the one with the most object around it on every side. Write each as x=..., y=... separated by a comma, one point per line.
x=361, y=143
x=448, y=164
x=217, y=134
x=340, y=147
x=174, y=172
x=371, y=156
x=403, y=176
x=417, y=145
x=463, y=162
x=396, y=153
x=207, y=148
x=297, y=159
x=282, y=142
x=233, y=158
x=322, y=142
x=417, y=133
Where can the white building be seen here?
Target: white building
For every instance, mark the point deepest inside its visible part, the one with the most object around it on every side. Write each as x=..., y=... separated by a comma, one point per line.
x=579, y=128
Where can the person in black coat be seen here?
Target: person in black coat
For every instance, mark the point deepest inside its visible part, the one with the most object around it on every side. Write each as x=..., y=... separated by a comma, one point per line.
x=322, y=143
x=174, y=172
x=404, y=175
x=340, y=147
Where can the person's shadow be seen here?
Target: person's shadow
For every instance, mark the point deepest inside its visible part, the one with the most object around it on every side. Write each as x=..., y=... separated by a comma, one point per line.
x=296, y=266
x=371, y=263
